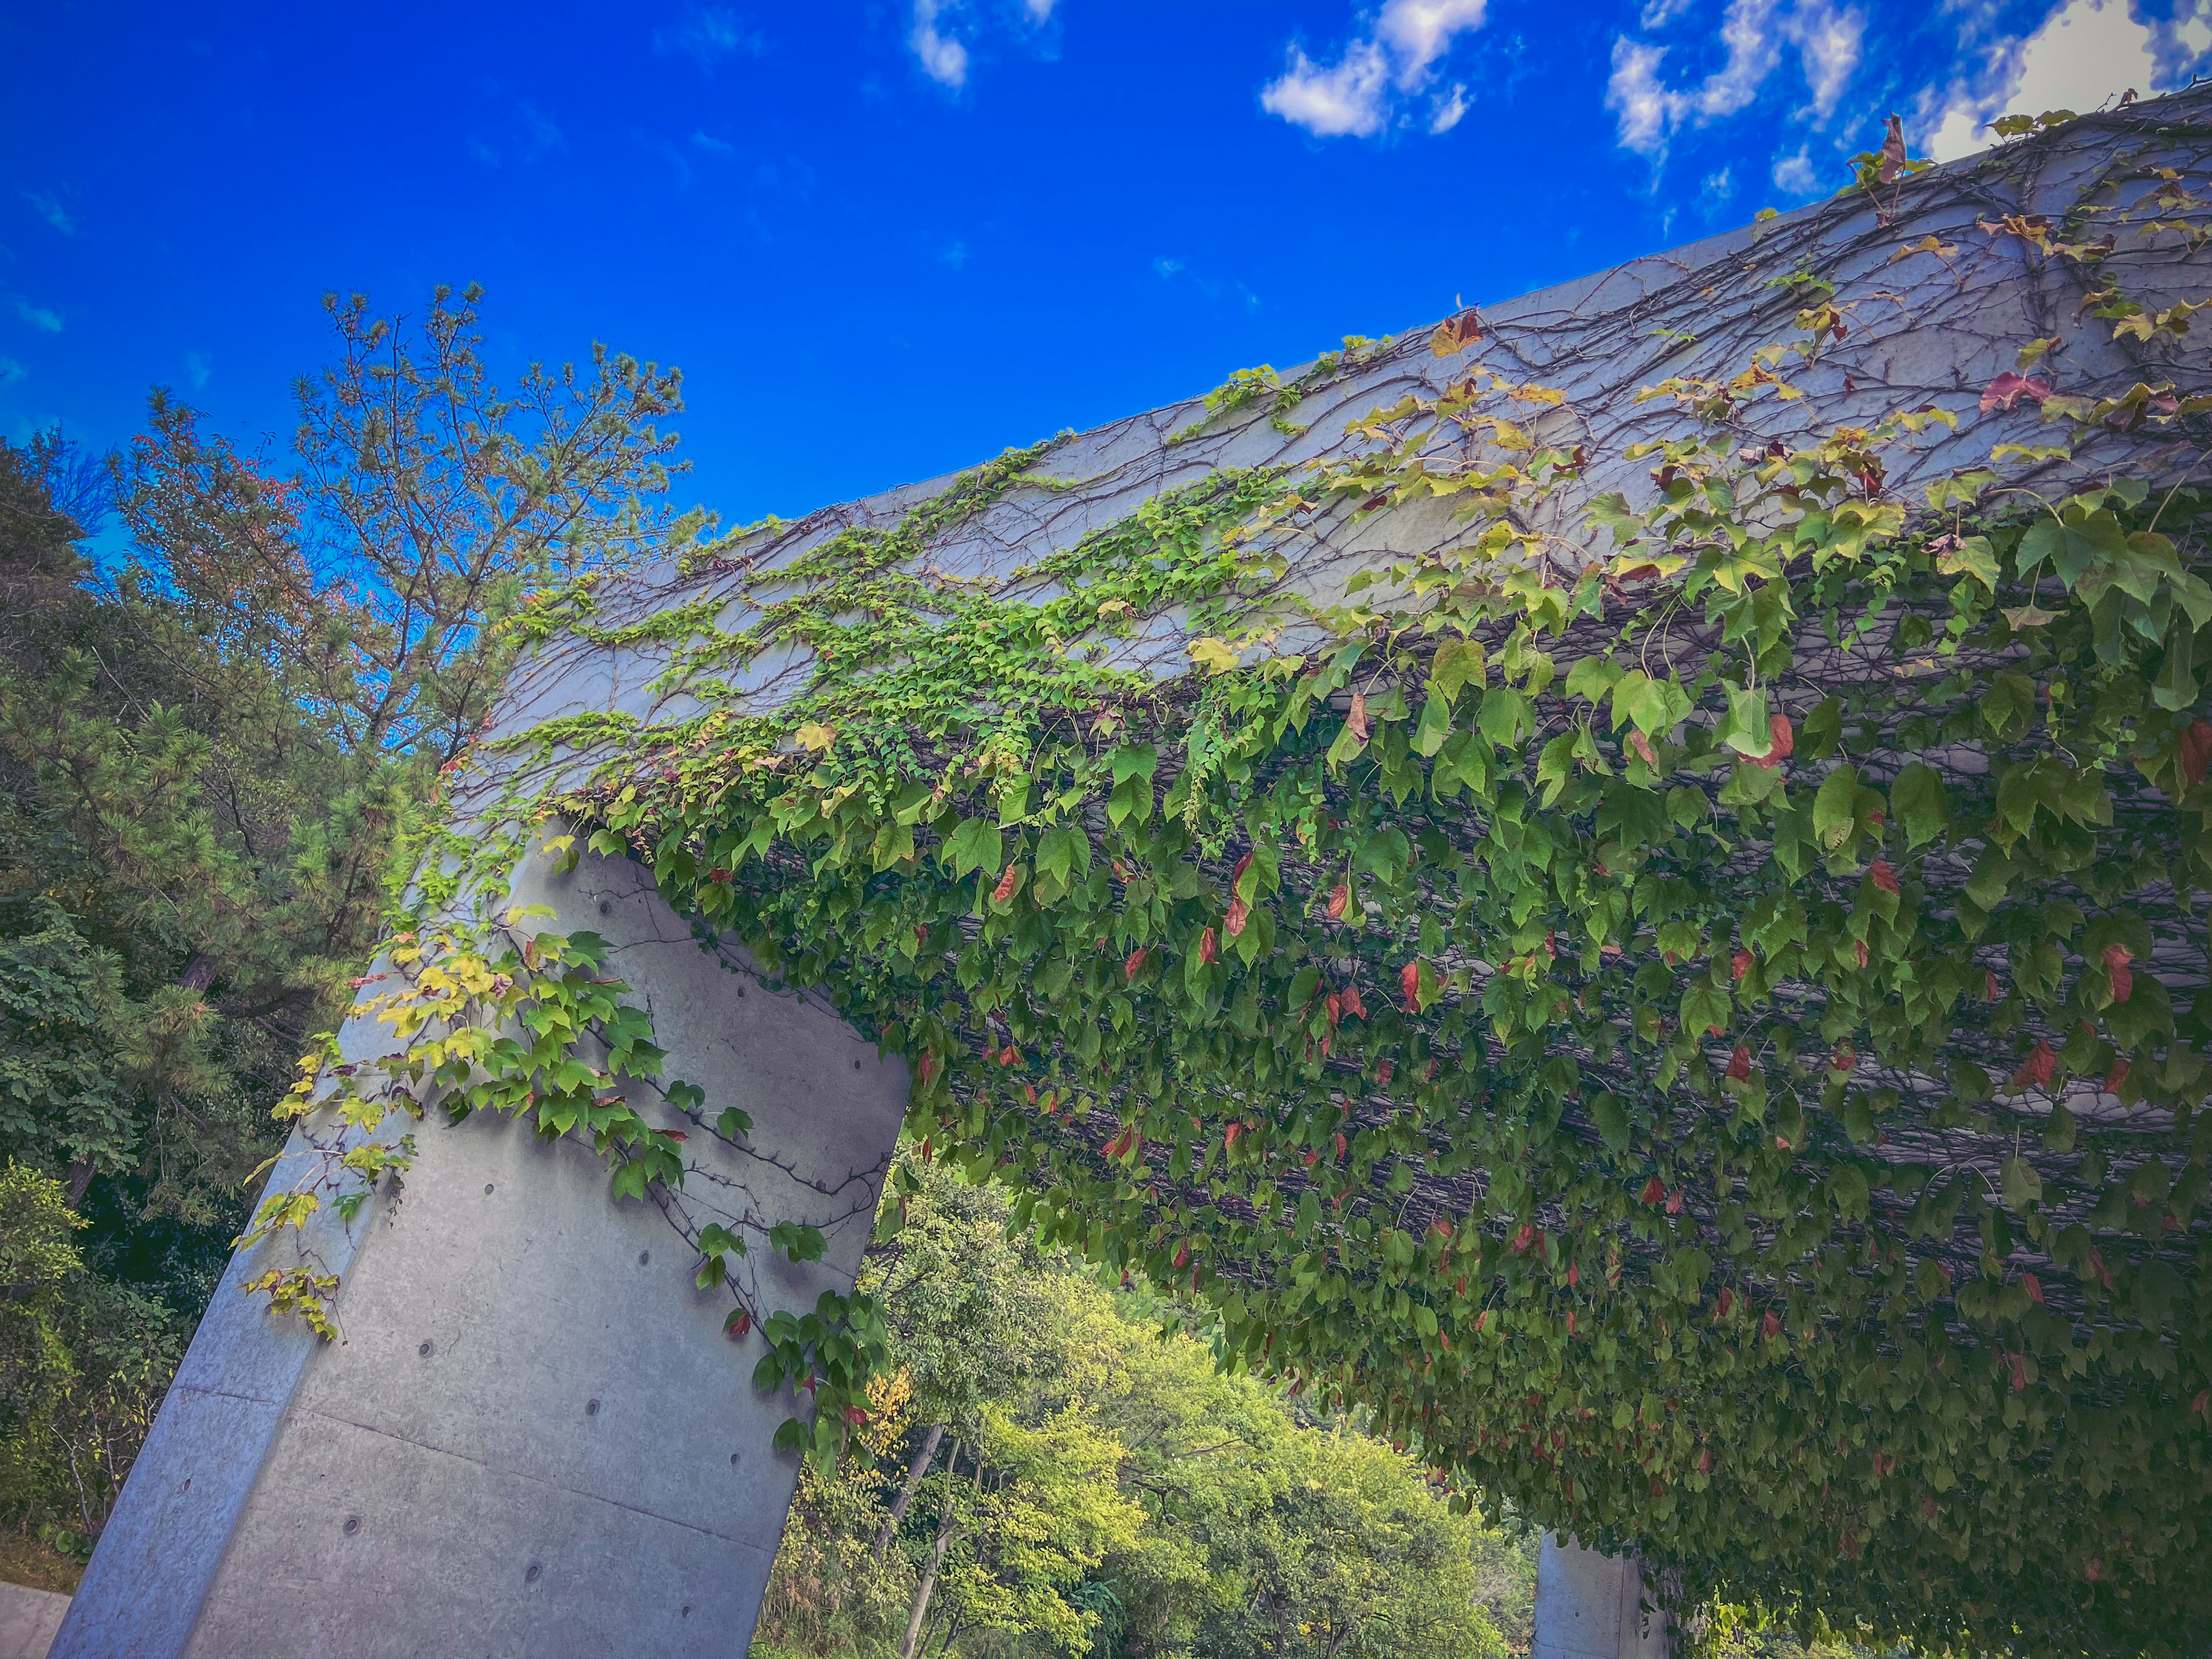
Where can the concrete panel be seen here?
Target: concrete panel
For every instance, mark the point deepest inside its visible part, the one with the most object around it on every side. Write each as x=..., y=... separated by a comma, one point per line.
x=29, y=1619
x=1590, y=1606
x=533, y=1437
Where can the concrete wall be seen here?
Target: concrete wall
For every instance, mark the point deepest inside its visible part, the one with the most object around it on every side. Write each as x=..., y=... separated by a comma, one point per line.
x=29, y=1619
x=533, y=1438
x=1590, y=1606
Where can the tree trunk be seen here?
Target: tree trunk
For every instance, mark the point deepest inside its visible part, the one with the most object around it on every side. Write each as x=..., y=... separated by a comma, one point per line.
x=929, y=1578
x=922, y=1460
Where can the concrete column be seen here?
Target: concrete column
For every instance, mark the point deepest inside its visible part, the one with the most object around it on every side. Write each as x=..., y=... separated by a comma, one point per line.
x=533, y=1438
x=1590, y=1606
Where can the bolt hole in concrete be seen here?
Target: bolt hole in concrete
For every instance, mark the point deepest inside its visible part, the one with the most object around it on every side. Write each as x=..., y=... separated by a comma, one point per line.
x=531, y=1576
x=487, y=1189
x=591, y=1409
x=605, y=908
x=425, y=1350
x=733, y=1459
x=643, y=1257
x=352, y=1525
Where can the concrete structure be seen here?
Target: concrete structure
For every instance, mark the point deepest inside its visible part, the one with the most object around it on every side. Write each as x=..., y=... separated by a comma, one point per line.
x=533, y=1439
x=28, y=1620
x=1590, y=1606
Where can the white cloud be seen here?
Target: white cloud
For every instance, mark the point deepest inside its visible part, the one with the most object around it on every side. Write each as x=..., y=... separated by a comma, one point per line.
x=1166, y=267
x=1830, y=42
x=1657, y=14
x=11, y=371
x=1419, y=31
x=197, y=368
x=1795, y=175
x=46, y=321
x=51, y=209
x=701, y=139
x=706, y=34
x=954, y=254
x=1040, y=11
x=943, y=58
x=1347, y=100
x=2087, y=53
x=1359, y=95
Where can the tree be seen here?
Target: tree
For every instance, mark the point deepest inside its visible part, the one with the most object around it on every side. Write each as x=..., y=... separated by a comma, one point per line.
x=209, y=753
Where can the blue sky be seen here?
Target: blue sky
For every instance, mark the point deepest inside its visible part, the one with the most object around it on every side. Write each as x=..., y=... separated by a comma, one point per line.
x=886, y=239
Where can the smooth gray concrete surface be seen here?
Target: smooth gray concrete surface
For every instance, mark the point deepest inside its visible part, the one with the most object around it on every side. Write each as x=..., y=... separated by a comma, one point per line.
x=28, y=1620
x=1590, y=1606
x=533, y=1438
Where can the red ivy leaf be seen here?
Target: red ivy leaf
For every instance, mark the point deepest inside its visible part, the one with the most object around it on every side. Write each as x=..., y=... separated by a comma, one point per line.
x=1341, y=898
x=1654, y=1190
x=1784, y=744
x=2116, y=1076
x=2196, y=751
x=1642, y=745
x=1884, y=877
x=1352, y=1005
x=1129, y=968
x=1739, y=965
x=1770, y=1326
x=1005, y=889
x=1209, y=948
x=2033, y=1286
x=1409, y=980
x=2117, y=957
x=1739, y=1065
x=1239, y=913
x=1357, y=720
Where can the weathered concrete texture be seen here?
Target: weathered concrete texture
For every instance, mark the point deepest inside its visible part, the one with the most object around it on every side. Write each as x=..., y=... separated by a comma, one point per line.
x=1590, y=1606
x=533, y=1438
x=1934, y=308
x=28, y=1620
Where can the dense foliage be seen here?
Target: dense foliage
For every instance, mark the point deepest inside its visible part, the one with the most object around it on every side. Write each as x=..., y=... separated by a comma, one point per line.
x=1698, y=1025
x=209, y=751
x=1054, y=1478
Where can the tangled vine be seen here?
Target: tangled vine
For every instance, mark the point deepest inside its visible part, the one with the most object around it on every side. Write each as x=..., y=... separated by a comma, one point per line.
x=1689, y=1000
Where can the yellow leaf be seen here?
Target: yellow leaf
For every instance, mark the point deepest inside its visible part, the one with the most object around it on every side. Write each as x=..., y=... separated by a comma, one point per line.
x=814, y=735
x=1216, y=656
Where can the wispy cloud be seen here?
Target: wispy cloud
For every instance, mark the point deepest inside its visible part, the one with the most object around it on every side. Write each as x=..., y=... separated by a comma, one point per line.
x=1379, y=74
x=2087, y=52
x=942, y=34
x=942, y=58
x=11, y=371
x=1176, y=273
x=954, y=254
x=720, y=148
x=50, y=209
x=42, y=318
x=708, y=34
x=1794, y=174
x=532, y=133
x=1829, y=39
x=197, y=368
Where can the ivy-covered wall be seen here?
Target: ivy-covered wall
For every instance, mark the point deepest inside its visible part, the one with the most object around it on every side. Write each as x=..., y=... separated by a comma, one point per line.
x=1617, y=879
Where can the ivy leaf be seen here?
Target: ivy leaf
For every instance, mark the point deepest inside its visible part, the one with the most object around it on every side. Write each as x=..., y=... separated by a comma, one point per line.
x=1435, y=725
x=1835, y=808
x=1917, y=802
x=1748, y=728
x=974, y=844
x=1063, y=852
x=1457, y=663
x=2021, y=1185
